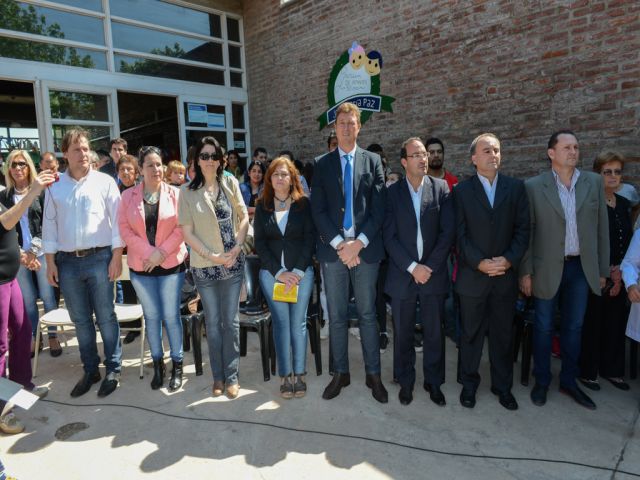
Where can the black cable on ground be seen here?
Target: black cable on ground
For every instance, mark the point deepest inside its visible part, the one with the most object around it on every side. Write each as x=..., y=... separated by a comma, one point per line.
x=351, y=437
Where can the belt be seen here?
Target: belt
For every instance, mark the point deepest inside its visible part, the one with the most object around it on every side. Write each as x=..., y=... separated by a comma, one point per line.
x=568, y=258
x=84, y=253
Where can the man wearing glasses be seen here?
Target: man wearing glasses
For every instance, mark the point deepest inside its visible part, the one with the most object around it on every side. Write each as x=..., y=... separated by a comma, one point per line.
x=83, y=250
x=492, y=217
x=418, y=231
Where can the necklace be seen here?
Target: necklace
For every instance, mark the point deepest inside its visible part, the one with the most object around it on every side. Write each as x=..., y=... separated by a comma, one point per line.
x=23, y=190
x=282, y=203
x=611, y=201
x=151, y=197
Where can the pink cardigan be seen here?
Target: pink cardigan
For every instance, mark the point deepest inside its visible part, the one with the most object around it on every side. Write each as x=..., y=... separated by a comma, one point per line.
x=131, y=221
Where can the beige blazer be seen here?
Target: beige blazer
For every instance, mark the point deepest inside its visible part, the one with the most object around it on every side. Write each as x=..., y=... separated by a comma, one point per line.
x=544, y=259
x=198, y=212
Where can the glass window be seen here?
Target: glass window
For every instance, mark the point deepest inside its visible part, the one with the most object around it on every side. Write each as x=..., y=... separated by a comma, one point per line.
x=78, y=106
x=100, y=136
x=49, y=22
x=233, y=29
x=237, y=111
x=236, y=79
x=86, y=4
x=46, y=52
x=239, y=143
x=155, y=68
x=235, y=57
x=202, y=115
x=168, y=15
x=147, y=40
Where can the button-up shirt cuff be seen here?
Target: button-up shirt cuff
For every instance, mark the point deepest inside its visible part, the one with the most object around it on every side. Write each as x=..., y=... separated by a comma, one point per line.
x=363, y=238
x=116, y=242
x=279, y=272
x=336, y=241
x=412, y=267
x=50, y=247
x=299, y=273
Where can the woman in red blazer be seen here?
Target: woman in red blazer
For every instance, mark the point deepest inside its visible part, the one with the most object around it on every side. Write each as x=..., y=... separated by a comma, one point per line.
x=148, y=220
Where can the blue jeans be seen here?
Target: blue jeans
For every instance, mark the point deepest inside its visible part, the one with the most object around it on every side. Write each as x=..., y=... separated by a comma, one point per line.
x=572, y=294
x=220, y=299
x=363, y=281
x=160, y=300
x=34, y=285
x=289, y=324
x=87, y=291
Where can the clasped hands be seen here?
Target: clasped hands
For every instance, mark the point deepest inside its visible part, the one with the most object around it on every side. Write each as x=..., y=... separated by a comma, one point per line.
x=155, y=259
x=494, y=267
x=349, y=252
x=29, y=260
x=227, y=259
x=290, y=280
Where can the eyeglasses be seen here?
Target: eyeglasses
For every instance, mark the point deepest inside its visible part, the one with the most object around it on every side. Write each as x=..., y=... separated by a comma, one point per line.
x=209, y=156
x=17, y=165
x=608, y=172
x=281, y=175
x=418, y=156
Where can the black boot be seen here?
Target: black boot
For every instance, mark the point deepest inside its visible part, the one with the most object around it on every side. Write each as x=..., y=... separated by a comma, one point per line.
x=176, y=376
x=158, y=374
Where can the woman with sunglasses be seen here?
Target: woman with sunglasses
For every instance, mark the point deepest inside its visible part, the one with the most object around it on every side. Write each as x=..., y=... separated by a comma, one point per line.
x=603, y=331
x=148, y=221
x=32, y=277
x=214, y=221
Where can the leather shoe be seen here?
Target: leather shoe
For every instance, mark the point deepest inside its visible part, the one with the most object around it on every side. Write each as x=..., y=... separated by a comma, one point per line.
x=130, y=337
x=539, y=394
x=377, y=388
x=507, y=400
x=109, y=384
x=435, y=394
x=338, y=381
x=590, y=384
x=467, y=398
x=618, y=383
x=578, y=396
x=84, y=385
x=405, y=396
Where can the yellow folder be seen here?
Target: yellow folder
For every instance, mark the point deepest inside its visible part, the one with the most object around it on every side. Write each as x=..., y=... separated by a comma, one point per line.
x=279, y=294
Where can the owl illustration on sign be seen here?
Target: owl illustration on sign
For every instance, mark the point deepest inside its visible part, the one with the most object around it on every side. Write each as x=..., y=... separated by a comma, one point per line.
x=352, y=79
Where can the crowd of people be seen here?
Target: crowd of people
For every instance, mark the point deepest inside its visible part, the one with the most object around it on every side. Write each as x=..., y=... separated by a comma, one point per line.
x=563, y=240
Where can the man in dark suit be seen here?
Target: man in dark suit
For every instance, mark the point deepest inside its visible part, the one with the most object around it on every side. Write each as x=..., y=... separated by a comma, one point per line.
x=492, y=218
x=419, y=229
x=348, y=209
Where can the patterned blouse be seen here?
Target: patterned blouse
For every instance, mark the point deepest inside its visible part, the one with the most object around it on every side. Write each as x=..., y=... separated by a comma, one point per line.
x=224, y=215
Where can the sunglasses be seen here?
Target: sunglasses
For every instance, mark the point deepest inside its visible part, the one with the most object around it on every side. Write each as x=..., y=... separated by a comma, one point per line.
x=17, y=165
x=209, y=156
x=607, y=173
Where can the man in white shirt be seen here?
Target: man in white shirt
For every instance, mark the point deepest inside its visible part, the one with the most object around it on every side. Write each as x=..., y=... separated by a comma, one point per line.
x=83, y=250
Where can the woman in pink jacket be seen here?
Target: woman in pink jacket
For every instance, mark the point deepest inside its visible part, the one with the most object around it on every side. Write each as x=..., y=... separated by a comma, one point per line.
x=148, y=220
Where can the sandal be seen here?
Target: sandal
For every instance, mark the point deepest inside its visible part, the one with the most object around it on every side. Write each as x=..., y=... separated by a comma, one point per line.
x=55, y=349
x=286, y=387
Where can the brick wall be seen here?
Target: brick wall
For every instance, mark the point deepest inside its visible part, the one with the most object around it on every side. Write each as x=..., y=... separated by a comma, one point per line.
x=520, y=69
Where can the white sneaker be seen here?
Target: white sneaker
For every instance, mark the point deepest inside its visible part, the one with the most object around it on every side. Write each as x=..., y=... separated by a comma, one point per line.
x=41, y=392
x=10, y=424
x=324, y=331
x=355, y=331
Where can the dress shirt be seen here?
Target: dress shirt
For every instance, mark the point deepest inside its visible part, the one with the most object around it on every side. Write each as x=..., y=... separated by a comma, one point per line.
x=81, y=214
x=352, y=231
x=416, y=199
x=489, y=188
x=568, y=201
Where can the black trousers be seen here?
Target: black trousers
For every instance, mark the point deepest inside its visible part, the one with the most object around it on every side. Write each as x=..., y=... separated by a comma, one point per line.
x=603, y=336
x=492, y=314
x=404, y=354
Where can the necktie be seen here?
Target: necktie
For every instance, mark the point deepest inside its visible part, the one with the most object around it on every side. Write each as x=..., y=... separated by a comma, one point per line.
x=348, y=192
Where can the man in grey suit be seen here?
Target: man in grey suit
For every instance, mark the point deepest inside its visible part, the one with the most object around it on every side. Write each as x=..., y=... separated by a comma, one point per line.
x=492, y=219
x=419, y=229
x=568, y=255
x=347, y=204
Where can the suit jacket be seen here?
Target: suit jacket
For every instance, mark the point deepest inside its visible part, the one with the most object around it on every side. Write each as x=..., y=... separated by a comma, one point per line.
x=297, y=243
x=34, y=214
x=327, y=203
x=486, y=232
x=545, y=256
x=133, y=228
x=400, y=230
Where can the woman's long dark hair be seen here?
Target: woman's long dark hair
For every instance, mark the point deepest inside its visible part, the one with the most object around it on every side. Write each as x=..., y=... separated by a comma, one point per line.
x=198, y=180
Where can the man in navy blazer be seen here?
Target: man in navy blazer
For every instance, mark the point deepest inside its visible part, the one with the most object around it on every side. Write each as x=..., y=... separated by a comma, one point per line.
x=492, y=223
x=419, y=229
x=347, y=203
